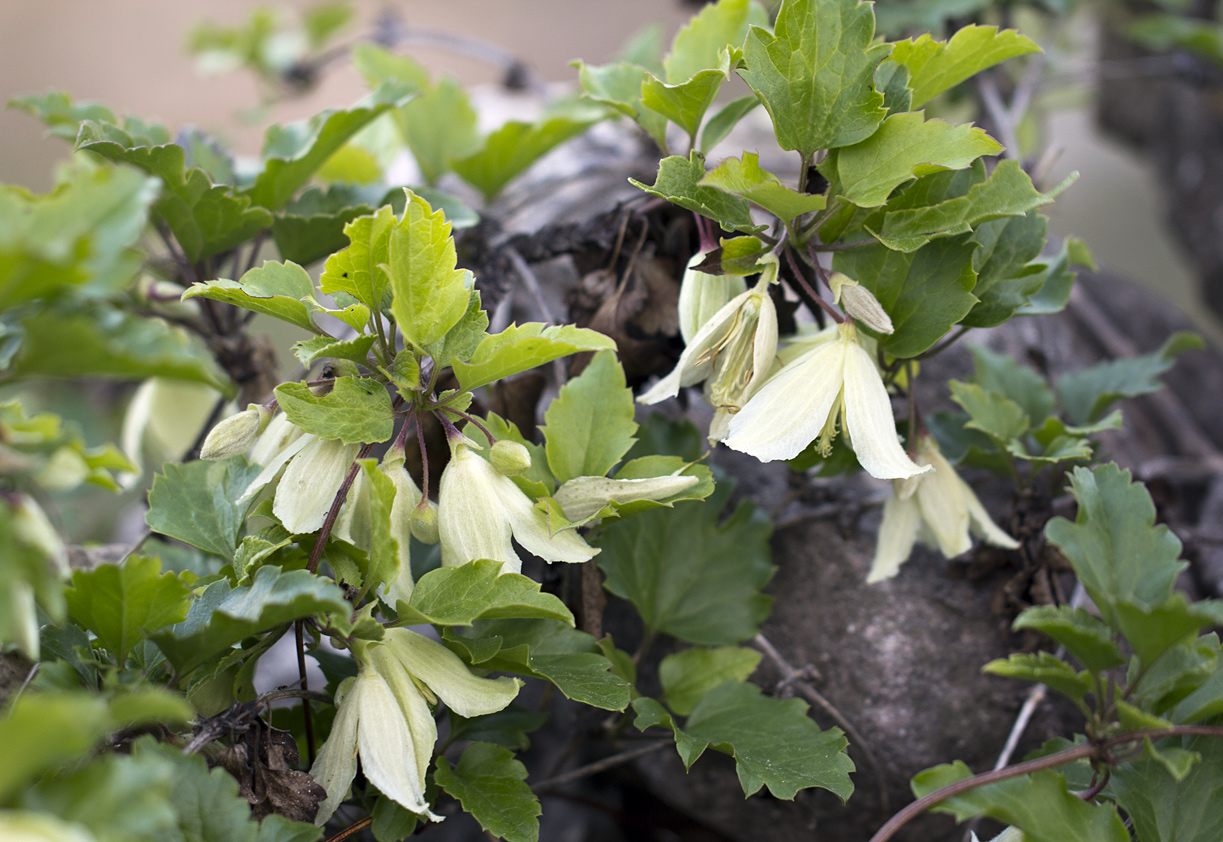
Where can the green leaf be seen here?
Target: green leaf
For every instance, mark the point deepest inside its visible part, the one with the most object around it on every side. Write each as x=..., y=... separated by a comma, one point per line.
x=273, y=289
x=461, y=341
x=1164, y=809
x=679, y=182
x=745, y=178
x=512, y=148
x=117, y=603
x=1084, y=636
x=773, y=741
x=458, y=596
x=1088, y=393
x=548, y=649
x=1054, y=293
x=618, y=86
x=925, y=292
x=1152, y=630
x=293, y=153
x=196, y=502
x=223, y=615
x=906, y=146
x=109, y=342
x=738, y=256
x=60, y=114
x=431, y=294
x=815, y=73
x=1007, y=273
x=1116, y=550
x=589, y=426
x=994, y=414
x=689, y=575
x=491, y=785
x=357, y=410
x=312, y=225
x=1044, y=668
x=308, y=351
x=440, y=127
x=685, y=103
x=688, y=675
x=206, y=219
x=1038, y=804
x=937, y=66
x=697, y=45
x=357, y=270
x=392, y=823
x=521, y=347
x=724, y=121
x=1003, y=374
x=207, y=801
x=510, y=727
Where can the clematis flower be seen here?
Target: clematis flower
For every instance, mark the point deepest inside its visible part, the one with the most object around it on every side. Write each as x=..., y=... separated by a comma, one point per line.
x=236, y=434
x=836, y=380
x=479, y=509
x=701, y=295
x=937, y=508
x=384, y=718
x=732, y=353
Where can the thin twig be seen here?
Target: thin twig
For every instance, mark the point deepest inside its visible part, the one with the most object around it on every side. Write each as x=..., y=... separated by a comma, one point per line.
x=352, y=829
x=532, y=282
x=600, y=766
x=796, y=679
x=316, y=554
x=300, y=639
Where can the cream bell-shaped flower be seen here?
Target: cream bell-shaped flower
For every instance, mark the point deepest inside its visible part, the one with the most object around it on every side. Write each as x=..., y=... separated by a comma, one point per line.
x=480, y=509
x=803, y=401
x=384, y=718
x=937, y=508
x=701, y=295
x=732, y=354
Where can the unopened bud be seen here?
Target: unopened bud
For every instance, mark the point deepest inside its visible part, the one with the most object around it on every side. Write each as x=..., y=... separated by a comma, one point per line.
x=236, y=433
x=424, y=522
x=701, y=295
x=859, y=302
x=510, y=458
x=34, y=530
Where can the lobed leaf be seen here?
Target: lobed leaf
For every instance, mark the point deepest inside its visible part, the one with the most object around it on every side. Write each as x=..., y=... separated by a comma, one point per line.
x=521, y=347
x=357, y=410
x=458, y=596
x=679, y=181
x=937, y=66
x=195, y=502
x=120, y=602
x=589, y=426
x=491, y=785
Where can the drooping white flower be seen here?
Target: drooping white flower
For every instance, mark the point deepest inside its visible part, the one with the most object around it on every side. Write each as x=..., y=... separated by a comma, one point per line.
x=804, y=401
x=732, y=353
x=937, y=508
x=236, y=434
x=480, y=509
x=384, y=718
x=310, y=482
x=22, y=826
x=701, y=295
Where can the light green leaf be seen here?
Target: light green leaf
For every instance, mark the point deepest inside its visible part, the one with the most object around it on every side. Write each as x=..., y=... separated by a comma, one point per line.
x=548, y=649
x=937, y=66
x=1003, y=374
x=1116, y=550
x=1038, y=804
x=293, y=153
x=618, y=86
x=685, y=103
x=357, y=410
x=117, y=603
x=325, y=347
x=724, y=121
x=378, y=65
x=223, y=615
x=688, y=675
x=925, y=292
x=431, y=294
x=679, y=182
x=461, y=341
x=992, y=413
x=1084, y=636
x=440, y=127
x=207, y=801
x=458, y=596
x=512, y=148
x=196, y=502
x=1088, y=393
x=268, y=289
x=815, y=73
x=491, y=785
x=1164, y=809
x=906, y=146
x=1152, y=630
x=521, y=347
x=697, y=45
x=60, y=114
x=773, y=741
x=590, y=426
x=357, y=270
x=1044, y=668
x=744, y=177
x=689, y=575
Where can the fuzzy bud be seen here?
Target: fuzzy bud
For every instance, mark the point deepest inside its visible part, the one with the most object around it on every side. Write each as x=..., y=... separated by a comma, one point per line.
x=701, y=295
x=424, y=522
x=859, y=302
x=510, y=458
x=236, y=434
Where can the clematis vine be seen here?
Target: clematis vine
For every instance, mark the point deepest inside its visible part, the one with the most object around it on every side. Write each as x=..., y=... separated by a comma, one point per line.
x=384, y=718
x=731, y=353
x=937, y=508
x=836, y=381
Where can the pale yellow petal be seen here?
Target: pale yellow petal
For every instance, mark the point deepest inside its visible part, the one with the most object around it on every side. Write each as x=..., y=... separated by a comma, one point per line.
x=310, y=483
x=335, y=765
x=446, y=675
x=388, y=749
x=943, y=507
x=897, y=534
x=869, y=420
x=472, y=522
x=983, y=526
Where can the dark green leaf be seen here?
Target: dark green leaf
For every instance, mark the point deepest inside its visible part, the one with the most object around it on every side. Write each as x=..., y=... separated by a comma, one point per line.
x=688, y=675
x=1166, y=810
x=589, y=426
x=196, y=502
x=312, y=225
x=724, y=121
x=510, y=727
x=1084, y=636
x=117, y=603
x=992, y=413
x=357, y=410
x=679, y=182
x=491, y=785
x=1088, y=393
x=458, y=596
x=690, y=576
x=1004, y=375
x=1044, y=668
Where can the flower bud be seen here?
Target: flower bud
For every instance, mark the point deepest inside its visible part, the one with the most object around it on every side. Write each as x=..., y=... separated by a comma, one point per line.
x=859, y=302
x=510, y=457
x=236, y=433
x=701, y=295
x=424, y=523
